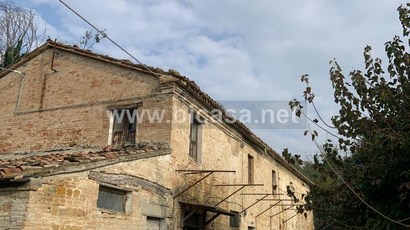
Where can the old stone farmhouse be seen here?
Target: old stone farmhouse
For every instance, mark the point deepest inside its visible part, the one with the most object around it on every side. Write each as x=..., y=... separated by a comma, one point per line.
x=92, y=142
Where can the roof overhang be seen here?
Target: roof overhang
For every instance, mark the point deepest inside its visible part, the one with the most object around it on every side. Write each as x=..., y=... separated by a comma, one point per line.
x=208, y=208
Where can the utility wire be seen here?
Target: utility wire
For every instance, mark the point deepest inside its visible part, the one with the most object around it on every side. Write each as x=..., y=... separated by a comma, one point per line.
x=320, y=117
x=361, y=199
x=327, y=131
x=134, y=58
x=111, y=40
x=357, y=195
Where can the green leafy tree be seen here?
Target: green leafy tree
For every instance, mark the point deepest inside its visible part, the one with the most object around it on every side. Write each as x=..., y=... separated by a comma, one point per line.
x=369, y=189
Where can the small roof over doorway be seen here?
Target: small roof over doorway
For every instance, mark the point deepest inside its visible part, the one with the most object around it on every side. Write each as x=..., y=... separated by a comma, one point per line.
x=195, y=214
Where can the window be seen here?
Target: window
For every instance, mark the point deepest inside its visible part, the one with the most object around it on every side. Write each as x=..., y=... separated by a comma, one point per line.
x=274, y=183
x=250, y=170
x=153, y=223
x=111, y=199
x=251, y=228
x=123, y=126
x=195, y=138
x=234, y=220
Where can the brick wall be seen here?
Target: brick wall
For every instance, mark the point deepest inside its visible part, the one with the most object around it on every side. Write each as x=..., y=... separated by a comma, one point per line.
x=69, y=107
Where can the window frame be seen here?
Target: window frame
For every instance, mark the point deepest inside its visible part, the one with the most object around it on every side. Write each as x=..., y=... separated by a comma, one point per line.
x=195, y=144
x=251, y=171
x=129, y=135
x=234, y=221
x=274, y=181
x=125, y=203
x=161, y=221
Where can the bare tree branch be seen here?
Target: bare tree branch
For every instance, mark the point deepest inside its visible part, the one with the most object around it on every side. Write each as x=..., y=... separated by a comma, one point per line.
x=18, y=32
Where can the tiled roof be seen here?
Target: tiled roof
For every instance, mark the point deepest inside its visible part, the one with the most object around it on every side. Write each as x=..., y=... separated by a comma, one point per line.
x=46, y=163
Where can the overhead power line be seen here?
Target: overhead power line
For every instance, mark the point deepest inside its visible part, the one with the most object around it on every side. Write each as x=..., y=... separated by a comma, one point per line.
x=355, y=193
x=108, y=37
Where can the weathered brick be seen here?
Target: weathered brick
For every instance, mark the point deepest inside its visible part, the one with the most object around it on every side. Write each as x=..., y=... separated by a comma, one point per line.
x=71, y=112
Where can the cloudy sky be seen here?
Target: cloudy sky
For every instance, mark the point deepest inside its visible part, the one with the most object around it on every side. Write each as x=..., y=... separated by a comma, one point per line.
x=236, y=49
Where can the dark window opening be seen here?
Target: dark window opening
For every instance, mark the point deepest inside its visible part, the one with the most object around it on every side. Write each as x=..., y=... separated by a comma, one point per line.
x=194, y=138
x=124, y=127
x=274, y=183
x=234, y=220
x=250, y=170
x=111, y=199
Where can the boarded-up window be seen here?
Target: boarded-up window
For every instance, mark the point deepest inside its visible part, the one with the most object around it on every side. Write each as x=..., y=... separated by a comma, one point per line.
x=111, y=199
x=195, y=138
x=124, y=126
x=234, y=220
x=250, y=170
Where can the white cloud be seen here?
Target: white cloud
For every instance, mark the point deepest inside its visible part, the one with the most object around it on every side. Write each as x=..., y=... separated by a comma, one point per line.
x=238, y=49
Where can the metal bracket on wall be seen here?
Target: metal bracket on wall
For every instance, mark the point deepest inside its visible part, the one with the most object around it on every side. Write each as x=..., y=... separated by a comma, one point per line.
x=194, y=171
x=271, y=206
x=233, y=193
x=52, y=57
x=281, y=211
x=257, y=201
x=290, y=218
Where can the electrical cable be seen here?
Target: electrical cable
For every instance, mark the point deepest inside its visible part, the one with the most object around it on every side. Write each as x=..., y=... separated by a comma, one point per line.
x=327, y=131
x=106, y=35
x=357, y=195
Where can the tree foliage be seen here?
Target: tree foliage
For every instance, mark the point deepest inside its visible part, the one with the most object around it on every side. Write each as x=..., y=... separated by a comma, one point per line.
x=369, y=189
x=90, y=38
x=18, y=32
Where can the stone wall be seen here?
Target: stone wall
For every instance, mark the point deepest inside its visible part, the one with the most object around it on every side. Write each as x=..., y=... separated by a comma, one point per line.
x=69, y=201
x=225, y=149
x=13, y=206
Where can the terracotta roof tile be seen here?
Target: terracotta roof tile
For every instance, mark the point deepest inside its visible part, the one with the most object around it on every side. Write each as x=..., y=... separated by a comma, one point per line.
x=17, y=167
